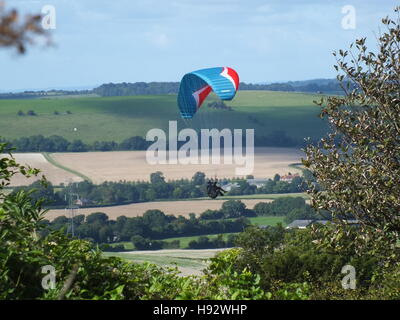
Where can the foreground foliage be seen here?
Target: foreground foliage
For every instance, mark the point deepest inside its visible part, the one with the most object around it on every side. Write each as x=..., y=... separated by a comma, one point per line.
x=357, y=170
x=82, y=272
x=358, y=165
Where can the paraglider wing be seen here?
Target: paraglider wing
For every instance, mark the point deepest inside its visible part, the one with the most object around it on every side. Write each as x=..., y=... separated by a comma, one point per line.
x=196, y=86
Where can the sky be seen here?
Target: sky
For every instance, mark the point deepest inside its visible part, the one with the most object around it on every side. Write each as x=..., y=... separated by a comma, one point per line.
x=102, y=41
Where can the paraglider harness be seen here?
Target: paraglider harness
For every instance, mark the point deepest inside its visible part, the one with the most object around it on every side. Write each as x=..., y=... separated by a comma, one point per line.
x=213, y=190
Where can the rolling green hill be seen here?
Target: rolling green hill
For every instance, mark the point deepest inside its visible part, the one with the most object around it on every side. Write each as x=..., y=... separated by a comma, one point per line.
x=117, y=118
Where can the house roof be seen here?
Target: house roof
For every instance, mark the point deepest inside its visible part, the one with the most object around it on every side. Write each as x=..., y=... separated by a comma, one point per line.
x=256, y=181
x=306, y=223
x=299, y=224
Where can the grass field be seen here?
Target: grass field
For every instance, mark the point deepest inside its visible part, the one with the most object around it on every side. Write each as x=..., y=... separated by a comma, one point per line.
x=267, y=221
x=117, y=118
x=187, y=261
x=184, y=241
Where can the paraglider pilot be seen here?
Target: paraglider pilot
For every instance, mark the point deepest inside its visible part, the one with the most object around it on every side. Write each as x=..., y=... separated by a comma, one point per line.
x=213, y=190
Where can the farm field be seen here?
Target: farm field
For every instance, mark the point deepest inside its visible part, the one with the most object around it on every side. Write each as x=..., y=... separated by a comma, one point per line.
x=184, y=241
x=175, y=208
x=188, y=261
x=37, y=160
x=267, y=220
x=132, y=165
x=123, y=165
x=117, y=118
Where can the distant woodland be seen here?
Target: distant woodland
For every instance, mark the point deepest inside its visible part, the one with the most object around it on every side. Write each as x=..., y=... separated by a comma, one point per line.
x=321, y=86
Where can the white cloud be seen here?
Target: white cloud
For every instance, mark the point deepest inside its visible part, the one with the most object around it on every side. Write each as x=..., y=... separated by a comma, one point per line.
x=94, y=16
x=160, y=40
x=157, y=37
x=264, y=8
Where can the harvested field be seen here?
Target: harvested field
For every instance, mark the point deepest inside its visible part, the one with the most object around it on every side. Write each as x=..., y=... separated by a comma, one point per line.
x=36, y=160
x=175, y=208
x=132, y=165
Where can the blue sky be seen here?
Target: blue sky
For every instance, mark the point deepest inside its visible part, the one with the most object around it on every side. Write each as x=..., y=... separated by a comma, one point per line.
x=101, y=41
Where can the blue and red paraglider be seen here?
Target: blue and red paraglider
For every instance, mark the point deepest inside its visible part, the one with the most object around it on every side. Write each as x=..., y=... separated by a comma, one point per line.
x=194, y=89
x=196, y=86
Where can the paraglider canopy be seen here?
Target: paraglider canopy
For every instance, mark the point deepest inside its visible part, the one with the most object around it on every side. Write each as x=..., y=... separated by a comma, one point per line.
x=196, y=86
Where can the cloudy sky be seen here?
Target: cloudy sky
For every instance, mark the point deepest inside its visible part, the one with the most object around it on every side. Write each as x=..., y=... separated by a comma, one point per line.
x=101, y=41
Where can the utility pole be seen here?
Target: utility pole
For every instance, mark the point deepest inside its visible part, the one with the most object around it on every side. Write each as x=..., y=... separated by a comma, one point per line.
x=72, y=200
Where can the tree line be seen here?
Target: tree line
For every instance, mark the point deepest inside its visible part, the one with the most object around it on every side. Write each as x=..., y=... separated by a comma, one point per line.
x=124, y=192
x=146, y=232
x=153, y=226
x=204, y=242
x=143, y=88
x=331, y=86
x=292, y=208
x=55, y=143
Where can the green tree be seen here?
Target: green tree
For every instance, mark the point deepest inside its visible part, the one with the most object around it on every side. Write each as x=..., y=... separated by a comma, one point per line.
x=105, y=234
x=99, y=217
x=299, y=214
x=263, y=209
x=199, y=179
x=157, y=178
x=177, y=193
x=269, y=186
x=150, y=195
x=77, y=146
x=133, y=143
x=281, y=187
x=357, y=164
x=233, y=208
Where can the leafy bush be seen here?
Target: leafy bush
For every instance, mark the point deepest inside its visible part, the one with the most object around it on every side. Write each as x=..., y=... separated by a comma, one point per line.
x=282, y=257
x=227, y=282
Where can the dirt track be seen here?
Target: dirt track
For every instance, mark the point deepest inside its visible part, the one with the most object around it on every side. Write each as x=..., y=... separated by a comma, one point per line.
x=36, y=160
